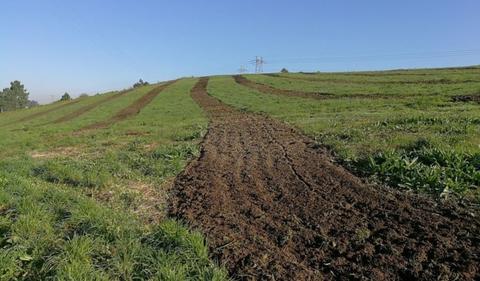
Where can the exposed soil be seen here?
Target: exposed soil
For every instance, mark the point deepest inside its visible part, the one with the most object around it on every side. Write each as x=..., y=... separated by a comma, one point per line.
x=132, y=109
x=466, y=98
x=336, y=80
x=274, y=206
x=89, y=107
x=45, y=112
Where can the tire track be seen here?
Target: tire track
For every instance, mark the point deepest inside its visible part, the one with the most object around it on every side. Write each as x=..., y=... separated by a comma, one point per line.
x=273, y=206
x=131, y=110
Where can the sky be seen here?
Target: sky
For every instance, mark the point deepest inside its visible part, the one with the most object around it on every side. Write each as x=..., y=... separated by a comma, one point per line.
x=90, y=46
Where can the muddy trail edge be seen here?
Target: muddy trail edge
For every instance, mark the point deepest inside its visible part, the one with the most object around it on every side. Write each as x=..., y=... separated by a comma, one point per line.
x=130, y=110
x=273, y=206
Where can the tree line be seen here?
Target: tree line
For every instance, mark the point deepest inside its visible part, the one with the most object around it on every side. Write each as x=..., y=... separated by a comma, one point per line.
x=15, y=97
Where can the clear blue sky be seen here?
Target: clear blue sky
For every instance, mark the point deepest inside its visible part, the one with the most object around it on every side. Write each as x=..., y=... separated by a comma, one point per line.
x=97, y=45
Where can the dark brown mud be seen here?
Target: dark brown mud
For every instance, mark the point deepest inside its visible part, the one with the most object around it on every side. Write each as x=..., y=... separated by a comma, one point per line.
x=273, y=206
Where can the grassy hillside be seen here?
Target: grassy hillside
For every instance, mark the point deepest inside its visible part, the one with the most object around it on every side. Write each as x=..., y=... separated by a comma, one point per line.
x=89, y=205
x=436, y=82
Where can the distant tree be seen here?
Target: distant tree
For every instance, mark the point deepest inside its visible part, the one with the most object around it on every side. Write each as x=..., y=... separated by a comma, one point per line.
x=84, y=95
x=32, y=103
x=140, y=83
x=15, y=97
x=65, y=97
x=284, y=70
x=2, y=102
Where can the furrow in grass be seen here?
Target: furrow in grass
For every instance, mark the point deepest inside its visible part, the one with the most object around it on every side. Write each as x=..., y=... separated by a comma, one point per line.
x=89, y=107
x=131, y=110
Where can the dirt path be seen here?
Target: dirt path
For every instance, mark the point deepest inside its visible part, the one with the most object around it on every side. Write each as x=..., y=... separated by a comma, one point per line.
x=274, y=207
x=132, y=109
x=89, y=107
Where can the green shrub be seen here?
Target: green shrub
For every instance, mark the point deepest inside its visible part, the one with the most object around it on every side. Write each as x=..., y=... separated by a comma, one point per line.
x=424, y=167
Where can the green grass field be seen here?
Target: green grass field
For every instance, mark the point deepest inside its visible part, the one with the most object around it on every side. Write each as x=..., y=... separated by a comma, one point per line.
x=91, y=204
x=436, y=83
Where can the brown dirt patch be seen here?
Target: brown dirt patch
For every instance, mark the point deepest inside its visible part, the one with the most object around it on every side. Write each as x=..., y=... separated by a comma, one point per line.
x=273, y=206
x=89, y=107
x=466, y=98
x=132, y=109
